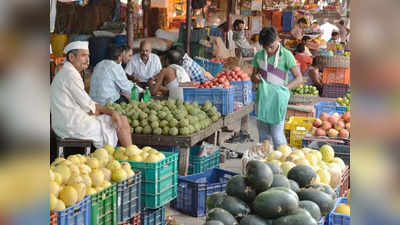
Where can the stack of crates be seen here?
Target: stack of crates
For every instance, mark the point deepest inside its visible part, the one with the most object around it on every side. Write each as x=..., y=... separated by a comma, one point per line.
x=79, y=213
x=129, y=200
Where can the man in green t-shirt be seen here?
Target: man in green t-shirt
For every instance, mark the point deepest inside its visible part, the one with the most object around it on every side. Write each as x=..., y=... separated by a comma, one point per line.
x=275, y=74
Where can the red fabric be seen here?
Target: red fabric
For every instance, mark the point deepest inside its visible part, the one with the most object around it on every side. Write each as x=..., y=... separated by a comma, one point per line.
x=304, y=61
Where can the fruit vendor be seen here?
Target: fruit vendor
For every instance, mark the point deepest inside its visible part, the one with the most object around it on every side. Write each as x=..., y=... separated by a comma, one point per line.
x=109, y=80
x=270, y=76
x=195, y=71
x=74, y=114
x=239, y=37
x=297, y=31
x=143, y=65
x=167, y=81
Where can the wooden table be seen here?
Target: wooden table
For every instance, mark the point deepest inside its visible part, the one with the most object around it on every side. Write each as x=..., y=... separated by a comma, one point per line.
x=241, y=115
x=184, y=142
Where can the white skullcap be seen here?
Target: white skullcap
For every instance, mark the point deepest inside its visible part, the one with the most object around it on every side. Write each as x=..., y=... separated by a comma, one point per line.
x=76, y=45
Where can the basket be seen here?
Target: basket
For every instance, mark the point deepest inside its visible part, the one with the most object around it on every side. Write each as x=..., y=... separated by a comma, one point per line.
x=341, y=146
x=159, y=180
x=298, y=127
x=333, y=61
x=328, y=107
x=133, y=221
x=200, y=164
x=243, y=91
x=104, y=206
x=53, y=218
x=338, y=218
x=211, y=67
x=128, y=197
x=332, y=75
x=153, y=216
x=77, y=214
x=221, y=98
x=334, y=90
x=193, y=190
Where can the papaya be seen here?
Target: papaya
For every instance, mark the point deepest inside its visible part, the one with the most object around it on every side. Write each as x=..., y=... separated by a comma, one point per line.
x=215, y=200
x=324, y=188
x=221, y=215
x=323, y=200
x=235, y=207
x=254, y=220
x=272, y=204
x=238, y=188
x=276, y=169
x=300, y=217
x=280, y=181
x=294, y=186
x=214, y=222
x=312, y=208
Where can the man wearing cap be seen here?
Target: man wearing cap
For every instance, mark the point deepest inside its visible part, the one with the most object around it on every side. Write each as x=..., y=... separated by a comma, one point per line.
x=74, y=114
x=143, y=65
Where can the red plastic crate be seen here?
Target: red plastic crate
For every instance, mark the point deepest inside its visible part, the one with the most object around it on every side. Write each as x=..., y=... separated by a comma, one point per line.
x=332, y=75
x=53, y=218
x=133, y=221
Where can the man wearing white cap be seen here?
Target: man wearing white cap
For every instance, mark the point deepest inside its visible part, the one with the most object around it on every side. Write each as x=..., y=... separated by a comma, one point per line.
x=74, y=114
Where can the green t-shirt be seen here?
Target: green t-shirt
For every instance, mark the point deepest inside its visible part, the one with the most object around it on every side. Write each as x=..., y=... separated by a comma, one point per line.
x=286, y=60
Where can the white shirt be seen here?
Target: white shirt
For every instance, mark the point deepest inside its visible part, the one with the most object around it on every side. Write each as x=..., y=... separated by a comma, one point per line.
x=326, y=30
x=70, y=106
x=143, y=71
x=107, y=81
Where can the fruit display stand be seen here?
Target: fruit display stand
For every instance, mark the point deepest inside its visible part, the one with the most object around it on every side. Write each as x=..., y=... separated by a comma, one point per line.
x=340, y=145
x=184, y=142
x=104, y=206
x=193, y=190
x=79, y=213
x=128, y=197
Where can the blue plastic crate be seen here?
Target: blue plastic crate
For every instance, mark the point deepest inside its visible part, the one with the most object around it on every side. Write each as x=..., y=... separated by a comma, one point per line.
x=338, y=218
x=193, y=190
x=153, y=216
x=78, y=213
x=211, y=67
x=128, y=197
x=323, y=221
x=243, y=91
x=221, y=98
x=328, y=107
x=287, y=21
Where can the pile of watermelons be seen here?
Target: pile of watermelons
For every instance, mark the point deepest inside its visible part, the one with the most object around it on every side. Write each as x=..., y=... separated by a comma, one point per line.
x=266, y=197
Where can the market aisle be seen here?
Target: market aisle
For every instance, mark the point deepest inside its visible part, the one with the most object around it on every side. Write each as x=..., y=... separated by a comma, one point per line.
x=232, y=165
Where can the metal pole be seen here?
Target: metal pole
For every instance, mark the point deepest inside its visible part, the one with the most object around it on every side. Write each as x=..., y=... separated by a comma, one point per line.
x=129, y=24
x=188, y=25
x=228, y=20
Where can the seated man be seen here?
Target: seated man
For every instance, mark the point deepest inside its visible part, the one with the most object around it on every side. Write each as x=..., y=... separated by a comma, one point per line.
x=245, y=49
x=74, y=113
x=195, y=71
x=143, y=65
x=109, y=79
x=297, y=30
x=312, y=75
x=167, y=81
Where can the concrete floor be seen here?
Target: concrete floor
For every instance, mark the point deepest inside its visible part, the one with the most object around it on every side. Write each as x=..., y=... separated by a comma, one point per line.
x=232, y=165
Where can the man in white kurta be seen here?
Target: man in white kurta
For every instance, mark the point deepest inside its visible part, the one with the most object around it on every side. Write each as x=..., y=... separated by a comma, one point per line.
x=74, y=114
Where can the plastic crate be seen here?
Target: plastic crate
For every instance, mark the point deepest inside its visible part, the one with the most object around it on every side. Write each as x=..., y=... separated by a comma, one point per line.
x=104, y=206
x=338, y=218
x=153, y=216
x=221, y=98
x=342, y=150
x=77, y=214
x=243, y=91
x=334, y=90
x=298, y=127
x=200, y=164
x=323, y=221
x=211, y=67
x=159, y=180
x=328, y=107
x=128, y=197
x=53, y=218
x=332, y=75
x=287, y=21
x=194, y=189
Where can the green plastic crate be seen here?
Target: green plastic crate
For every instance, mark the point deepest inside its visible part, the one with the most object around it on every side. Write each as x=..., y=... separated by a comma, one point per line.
x=159, y=180
x=104, y=206
x=200, y=164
